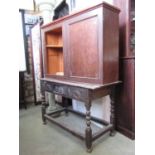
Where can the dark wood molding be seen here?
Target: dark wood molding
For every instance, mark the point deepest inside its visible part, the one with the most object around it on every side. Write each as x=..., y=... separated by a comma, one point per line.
x=127, y=57
x=130, y=134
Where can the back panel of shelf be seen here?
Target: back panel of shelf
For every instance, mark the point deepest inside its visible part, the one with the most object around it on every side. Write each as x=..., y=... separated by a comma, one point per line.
x=54, y=49
x=54, y=37
x=55, y=64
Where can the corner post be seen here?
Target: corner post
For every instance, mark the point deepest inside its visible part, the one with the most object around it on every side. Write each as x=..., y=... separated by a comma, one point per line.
x=88, y=130
x=112, y=110
x=43, y=109
x=65, y=101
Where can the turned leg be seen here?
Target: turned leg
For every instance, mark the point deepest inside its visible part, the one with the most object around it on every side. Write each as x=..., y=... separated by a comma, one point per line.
x=65, y=101
x=112, y=116
x=88, y=131
x=66, y=106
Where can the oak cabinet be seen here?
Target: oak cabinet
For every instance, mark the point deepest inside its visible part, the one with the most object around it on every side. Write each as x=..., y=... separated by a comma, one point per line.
x=83, y=46
x=125, y=119
x=81, y=61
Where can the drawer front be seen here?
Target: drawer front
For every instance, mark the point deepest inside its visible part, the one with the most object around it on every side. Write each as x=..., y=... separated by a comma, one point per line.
x=78, y=93
x=53, y=88
x=65, y=90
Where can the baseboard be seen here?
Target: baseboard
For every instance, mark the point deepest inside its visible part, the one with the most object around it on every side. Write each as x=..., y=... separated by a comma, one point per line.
x=126, y=132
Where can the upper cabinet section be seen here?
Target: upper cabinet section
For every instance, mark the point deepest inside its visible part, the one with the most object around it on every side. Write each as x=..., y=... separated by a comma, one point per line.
x=83, y=47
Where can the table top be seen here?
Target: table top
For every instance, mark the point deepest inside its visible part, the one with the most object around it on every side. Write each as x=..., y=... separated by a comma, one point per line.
x=80, y=84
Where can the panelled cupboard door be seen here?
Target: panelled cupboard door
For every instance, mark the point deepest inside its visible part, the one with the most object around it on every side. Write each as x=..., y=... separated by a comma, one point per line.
x=83, y=46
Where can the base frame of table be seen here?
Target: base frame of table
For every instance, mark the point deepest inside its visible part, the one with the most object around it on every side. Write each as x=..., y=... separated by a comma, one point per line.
x=85, y=93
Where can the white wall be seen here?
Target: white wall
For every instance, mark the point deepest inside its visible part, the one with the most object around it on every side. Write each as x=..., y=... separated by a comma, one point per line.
x=26, y=4
x=87, y=3
x=21, y=49
x=100, y=107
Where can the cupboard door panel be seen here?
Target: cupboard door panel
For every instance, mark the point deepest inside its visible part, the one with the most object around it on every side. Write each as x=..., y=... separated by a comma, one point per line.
x=83, y=46
x=86, y=54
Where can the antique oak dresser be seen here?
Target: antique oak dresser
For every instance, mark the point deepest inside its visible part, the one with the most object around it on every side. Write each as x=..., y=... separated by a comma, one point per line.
x=81, y=61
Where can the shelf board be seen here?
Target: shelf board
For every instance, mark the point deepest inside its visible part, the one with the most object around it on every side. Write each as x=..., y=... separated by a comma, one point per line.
x=54, y=46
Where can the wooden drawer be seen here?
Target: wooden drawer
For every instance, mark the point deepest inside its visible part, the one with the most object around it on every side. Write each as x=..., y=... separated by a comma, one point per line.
x=65, y=90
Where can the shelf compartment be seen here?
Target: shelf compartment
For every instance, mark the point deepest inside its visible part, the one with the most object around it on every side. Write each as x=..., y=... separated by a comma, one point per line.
x=54, y=37
x=55, y=64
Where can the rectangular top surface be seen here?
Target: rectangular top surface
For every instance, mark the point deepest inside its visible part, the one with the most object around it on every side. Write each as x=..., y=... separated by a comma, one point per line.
x=79, y=84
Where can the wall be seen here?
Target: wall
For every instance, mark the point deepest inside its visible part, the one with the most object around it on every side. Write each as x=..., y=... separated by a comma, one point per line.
x=21, y=54
x=87, y=3
x=26, y=4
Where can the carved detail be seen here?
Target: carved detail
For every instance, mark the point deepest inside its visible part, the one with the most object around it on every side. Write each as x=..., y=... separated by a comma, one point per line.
x=112, y=110
x=59, y=89
x=77, y=93
x=48, y=87
x=67, y=91
x=112, y=116
x=88, y=131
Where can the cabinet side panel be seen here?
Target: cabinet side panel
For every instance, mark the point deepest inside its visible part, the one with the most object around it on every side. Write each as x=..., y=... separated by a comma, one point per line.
x=110, y=45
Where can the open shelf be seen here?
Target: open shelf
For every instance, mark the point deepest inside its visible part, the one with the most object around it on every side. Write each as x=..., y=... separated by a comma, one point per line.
x=54, y=49
x=55, y=65
x=54, y=37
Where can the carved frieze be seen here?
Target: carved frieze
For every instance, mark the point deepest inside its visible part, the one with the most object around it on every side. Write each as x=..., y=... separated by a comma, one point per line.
x=65, y=90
